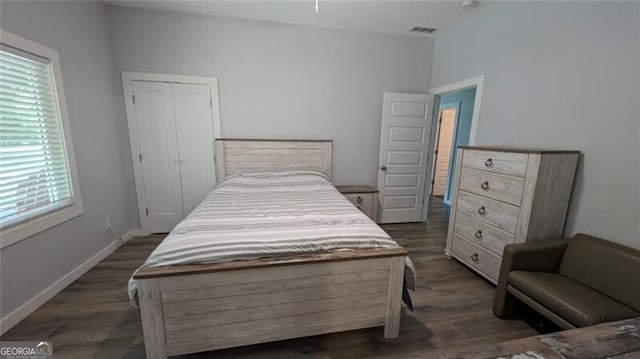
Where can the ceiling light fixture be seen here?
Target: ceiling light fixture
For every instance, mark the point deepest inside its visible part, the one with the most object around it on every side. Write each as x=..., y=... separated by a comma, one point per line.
x=465, y=4
x=317, y=3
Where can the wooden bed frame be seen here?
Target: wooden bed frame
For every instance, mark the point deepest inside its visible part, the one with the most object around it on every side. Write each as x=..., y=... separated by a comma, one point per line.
x=195, y=308
x=234, y=156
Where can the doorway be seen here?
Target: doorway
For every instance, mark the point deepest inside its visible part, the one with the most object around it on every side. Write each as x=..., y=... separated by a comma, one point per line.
x=447, y=119
x=457, y=106
x=457, y=112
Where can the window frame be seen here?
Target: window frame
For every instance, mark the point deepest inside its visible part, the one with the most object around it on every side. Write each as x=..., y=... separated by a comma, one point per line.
x=43, y=221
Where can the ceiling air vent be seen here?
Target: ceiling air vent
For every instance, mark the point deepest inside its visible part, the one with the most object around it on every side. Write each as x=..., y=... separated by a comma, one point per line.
x=422, y=29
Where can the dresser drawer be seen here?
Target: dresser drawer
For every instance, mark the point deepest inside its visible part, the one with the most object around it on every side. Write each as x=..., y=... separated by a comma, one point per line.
x=499, y=214
x=476, y=257
x=496, y=186
x=364, y=201
x=509, y=163
x=482, y=234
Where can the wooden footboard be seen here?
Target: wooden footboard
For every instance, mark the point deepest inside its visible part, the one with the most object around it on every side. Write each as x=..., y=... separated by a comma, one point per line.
x=187, y=309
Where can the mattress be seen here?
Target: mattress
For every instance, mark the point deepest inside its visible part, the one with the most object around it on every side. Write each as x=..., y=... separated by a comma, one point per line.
x=266, y=215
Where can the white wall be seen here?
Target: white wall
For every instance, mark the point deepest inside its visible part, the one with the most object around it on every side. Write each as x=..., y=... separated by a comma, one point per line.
x=562, y=75
x=98, y=126
x=283, y=81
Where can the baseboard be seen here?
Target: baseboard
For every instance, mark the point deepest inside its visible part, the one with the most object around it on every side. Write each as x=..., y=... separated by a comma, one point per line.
x=34, y=303
x=137, y=232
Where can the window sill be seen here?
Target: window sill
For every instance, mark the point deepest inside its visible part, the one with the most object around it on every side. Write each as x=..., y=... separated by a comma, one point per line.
x=18, y=232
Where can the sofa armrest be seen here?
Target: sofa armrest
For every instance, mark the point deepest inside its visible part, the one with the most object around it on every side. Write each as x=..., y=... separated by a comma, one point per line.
x=537, y=256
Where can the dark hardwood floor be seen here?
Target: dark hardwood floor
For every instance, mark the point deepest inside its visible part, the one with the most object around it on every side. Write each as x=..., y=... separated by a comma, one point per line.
x=92, y=319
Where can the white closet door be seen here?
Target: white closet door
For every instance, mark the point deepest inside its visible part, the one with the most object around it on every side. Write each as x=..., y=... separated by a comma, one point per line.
x=194, y=125
x=154, y=111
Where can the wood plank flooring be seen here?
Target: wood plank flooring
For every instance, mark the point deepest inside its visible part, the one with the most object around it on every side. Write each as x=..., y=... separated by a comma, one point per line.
x=606, y=340
x=92, y=319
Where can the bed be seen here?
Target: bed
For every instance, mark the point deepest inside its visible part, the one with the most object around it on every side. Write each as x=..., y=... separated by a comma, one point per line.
x=196, y=294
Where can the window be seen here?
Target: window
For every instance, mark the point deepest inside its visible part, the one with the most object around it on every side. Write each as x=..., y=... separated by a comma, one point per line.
x=38, y=179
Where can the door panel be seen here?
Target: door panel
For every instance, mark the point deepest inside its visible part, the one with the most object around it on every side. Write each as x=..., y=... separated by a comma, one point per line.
x=404, y=158
x=445, y=140
x=406, y=134
x=195, y=138
x=393, y=202
x=402, y=180
x=407, y=109
x=406, y=122
x=159, y=153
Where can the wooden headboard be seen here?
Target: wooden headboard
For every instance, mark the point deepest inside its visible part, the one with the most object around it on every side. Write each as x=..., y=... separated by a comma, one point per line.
x=235, y=156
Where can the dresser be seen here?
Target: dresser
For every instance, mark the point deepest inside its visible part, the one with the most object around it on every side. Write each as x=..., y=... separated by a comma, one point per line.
x=363, y=197
x=503, y=196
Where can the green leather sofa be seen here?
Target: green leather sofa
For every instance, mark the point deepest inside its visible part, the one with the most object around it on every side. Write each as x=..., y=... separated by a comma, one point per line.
x=573, y=282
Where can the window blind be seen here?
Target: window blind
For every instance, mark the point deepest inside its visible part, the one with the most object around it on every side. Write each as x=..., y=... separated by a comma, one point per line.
x=34, y=169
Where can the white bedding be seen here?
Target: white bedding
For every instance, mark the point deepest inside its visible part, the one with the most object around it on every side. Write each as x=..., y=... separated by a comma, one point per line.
x=270, y=214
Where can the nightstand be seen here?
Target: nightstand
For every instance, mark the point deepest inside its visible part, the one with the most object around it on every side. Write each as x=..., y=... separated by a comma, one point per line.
x=363, y=197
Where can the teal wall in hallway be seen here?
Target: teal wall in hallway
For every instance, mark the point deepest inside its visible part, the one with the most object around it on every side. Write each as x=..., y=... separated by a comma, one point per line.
x=466, y=99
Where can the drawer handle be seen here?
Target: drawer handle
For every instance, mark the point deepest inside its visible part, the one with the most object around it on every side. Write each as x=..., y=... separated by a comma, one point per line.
x=488, y=163
x=482, y=211
x=485, y=185
x=478, y=234
x=474, y=257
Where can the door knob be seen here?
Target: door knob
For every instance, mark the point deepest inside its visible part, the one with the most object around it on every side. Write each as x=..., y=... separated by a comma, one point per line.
x=383, y=167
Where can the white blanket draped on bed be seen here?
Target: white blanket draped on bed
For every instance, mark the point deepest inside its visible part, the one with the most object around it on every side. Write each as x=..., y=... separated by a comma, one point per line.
x=272, y=214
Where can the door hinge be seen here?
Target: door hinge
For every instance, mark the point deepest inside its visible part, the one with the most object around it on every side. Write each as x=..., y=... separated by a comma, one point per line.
x=140, y=156
x=211, y=102
x=146, y=211
x=133, y=98
x=436, y=152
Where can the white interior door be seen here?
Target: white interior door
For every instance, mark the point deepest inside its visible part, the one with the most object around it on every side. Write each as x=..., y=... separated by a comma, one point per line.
x=405, y=132
x=194, y=125
x=159, y=157
x=443, y=150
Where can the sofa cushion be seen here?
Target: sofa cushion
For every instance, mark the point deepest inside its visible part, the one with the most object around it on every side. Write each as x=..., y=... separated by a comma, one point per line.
x=606, y=267
x=569, y=299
